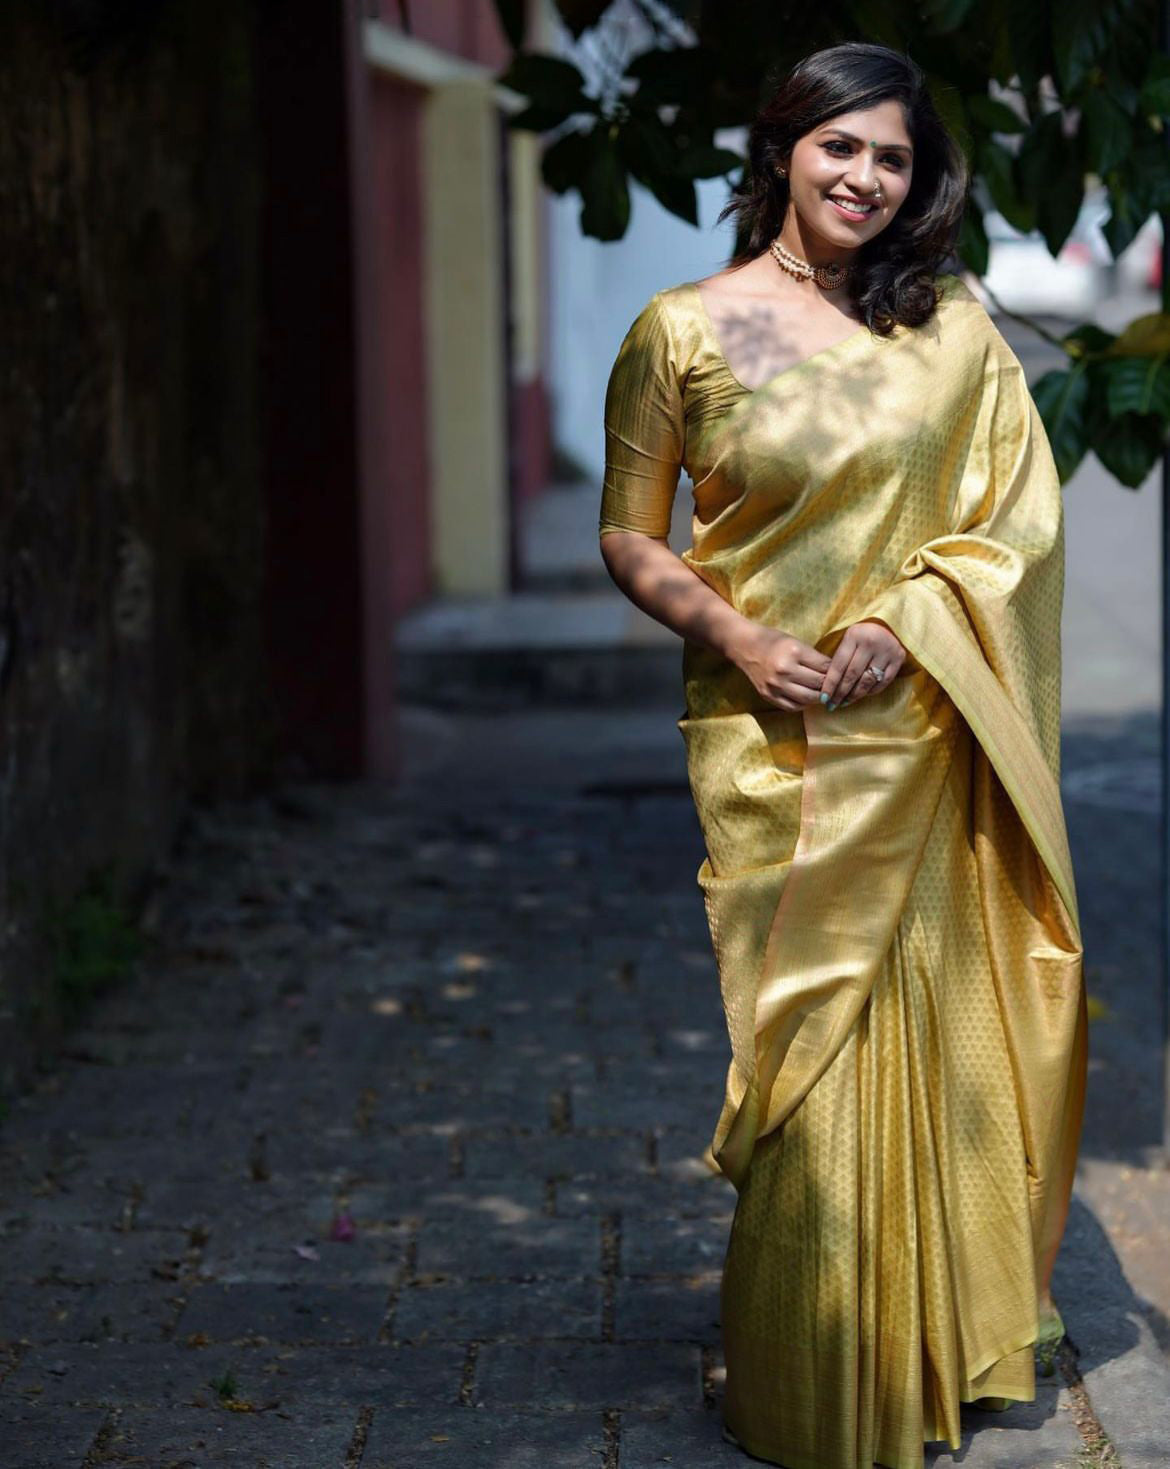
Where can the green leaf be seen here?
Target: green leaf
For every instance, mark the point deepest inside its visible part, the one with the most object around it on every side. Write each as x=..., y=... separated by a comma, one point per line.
x=995, y=116
x=667, y=77
x=996, y=167
x=547, y=81
x=1145, y=336
x=1030, y=45
x=1123, y=63
x=1138, y=385
x=677, y=195
x=579, y=15
x=538, y=119
x=944, y=15
x=605, y=194
x=1126, y=217
x=1061, y=398
x=972, y=243
x=949, y=105
x=566, y=162
x=646, y=147
x=1050, y=172
x=1084, y=32
x=1085, y=338
x=512, y=15
x=1076, y=39
x=1155, y=94
x=1130, y=446
x=707, y=162
x=1107, y=132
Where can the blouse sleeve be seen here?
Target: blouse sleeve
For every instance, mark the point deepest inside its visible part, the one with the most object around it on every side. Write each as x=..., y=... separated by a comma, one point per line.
x=644, y=428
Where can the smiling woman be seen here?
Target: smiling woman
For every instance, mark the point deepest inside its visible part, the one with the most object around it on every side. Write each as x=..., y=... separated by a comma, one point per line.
x=871, y=619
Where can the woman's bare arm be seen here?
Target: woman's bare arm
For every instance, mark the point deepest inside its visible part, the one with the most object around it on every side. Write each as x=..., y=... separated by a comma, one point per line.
x=783, y=669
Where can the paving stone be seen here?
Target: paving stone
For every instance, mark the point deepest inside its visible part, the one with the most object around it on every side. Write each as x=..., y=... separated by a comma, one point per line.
x=682, y=1309
x=410, y=1374
x=291, y=1313
x=674, y=1246
x=638, y=1108
x=53, y=1312
x=221, y=1191
x=1037, y=1435
x=511, y=1250
x=567, y=1157
x=691, y=1440
x=487, y=1025
x=300, y=1259
x=108, y=1101
x=604, y=1376
x=447, y=1110
x=413, y=1160
x=681, y=1154
x=110, y=1373
x=84, y=1255
x=38, y=1437
x=267, y=1234
x=475, y=1201
x=498, y=1311
x=308, y=1438
x=652, y=1196
x=486, y=1440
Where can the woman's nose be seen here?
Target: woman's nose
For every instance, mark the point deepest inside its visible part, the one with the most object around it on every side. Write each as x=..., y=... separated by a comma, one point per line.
x=862, y=176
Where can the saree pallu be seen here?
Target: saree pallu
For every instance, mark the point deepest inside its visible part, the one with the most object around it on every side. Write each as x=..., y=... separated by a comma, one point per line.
x=889, y=888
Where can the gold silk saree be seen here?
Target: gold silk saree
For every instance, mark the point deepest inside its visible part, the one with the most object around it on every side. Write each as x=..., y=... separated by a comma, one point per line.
x=888, y=885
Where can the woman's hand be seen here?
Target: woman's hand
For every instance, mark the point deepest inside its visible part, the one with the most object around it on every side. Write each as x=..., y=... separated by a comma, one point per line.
x=848, y=678
x=783, y=669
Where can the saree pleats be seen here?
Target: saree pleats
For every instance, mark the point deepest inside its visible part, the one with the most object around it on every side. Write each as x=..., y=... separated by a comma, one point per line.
x=888, y=885
x=882, y=1265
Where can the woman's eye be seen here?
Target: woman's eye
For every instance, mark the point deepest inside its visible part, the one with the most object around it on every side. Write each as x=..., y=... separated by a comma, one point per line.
x=891, y=158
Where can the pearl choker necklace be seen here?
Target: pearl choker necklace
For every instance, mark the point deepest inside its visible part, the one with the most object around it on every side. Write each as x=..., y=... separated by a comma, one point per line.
x=828, y=276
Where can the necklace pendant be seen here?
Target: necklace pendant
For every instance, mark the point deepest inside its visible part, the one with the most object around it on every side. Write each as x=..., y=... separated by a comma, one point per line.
x=829, y=277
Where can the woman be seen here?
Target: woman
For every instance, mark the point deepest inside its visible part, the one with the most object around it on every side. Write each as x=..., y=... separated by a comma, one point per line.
x=871, y=615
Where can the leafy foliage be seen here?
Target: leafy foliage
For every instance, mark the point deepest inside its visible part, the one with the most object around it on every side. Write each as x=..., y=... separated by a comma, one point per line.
x=1041, y=96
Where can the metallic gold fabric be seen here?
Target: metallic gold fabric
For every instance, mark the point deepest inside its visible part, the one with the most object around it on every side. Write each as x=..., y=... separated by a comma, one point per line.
x=889, y=888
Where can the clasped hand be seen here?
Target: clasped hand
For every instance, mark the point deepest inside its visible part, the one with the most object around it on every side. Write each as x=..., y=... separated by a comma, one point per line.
x=791, y=673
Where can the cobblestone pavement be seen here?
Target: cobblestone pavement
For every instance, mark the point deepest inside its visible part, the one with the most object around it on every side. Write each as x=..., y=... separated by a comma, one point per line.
x=389, y=1153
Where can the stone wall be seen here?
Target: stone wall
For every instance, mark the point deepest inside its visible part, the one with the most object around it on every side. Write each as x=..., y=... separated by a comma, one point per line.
x=132, y=673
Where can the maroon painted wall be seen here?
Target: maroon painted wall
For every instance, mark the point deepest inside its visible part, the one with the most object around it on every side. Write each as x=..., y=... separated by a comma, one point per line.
x=400, y=374
x=308, y=355
x=468, y=28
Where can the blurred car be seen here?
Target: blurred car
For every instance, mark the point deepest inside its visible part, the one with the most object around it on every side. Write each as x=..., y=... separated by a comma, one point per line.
x=1023, y=276
x=1140, y=266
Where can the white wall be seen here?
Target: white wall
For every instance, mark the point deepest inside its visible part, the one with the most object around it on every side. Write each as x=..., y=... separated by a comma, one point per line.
x=597, y=290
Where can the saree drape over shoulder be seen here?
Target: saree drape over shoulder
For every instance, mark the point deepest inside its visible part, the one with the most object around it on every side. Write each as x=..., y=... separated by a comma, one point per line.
x=888, y=885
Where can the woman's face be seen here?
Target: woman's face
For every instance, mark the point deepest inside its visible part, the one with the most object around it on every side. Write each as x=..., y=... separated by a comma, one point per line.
x=838, y=161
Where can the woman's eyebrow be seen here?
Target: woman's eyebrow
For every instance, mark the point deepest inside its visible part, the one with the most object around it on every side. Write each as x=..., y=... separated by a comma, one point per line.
x=900, y=147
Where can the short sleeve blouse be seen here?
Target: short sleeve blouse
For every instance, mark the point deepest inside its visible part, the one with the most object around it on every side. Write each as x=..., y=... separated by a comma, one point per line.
x=645, y=428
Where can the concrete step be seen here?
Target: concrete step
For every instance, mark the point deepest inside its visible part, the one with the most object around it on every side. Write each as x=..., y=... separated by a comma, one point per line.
x=536, y=647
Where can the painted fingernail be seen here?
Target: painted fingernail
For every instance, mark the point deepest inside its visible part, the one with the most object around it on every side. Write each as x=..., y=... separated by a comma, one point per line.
x=824, y=698
x=832, y=706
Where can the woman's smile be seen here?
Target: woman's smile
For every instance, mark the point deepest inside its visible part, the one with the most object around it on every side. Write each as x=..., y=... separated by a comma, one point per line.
x=851, y=209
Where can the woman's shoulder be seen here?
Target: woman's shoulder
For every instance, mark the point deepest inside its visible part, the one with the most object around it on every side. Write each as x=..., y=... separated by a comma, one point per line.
x=951, y=287
x=962, y=309
x=669, y=322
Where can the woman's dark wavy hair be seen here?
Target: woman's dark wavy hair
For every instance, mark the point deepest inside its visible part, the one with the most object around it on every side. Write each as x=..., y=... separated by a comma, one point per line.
x=892, y=281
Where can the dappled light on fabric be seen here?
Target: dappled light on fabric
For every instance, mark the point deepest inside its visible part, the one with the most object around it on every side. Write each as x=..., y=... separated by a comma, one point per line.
x=888, y=885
